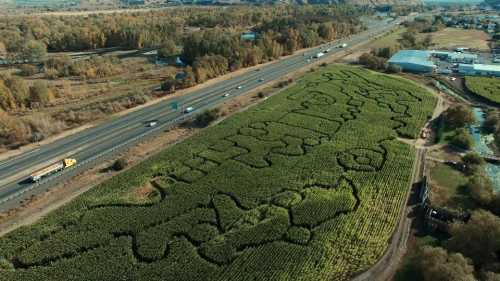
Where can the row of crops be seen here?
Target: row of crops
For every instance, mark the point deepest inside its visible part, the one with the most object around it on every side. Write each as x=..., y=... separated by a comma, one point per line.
x=306, y=186
x=486, y=87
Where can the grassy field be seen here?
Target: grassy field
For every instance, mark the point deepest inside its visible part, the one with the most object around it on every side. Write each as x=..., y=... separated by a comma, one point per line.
x=306, y=186
x=448, y=187
x=389, y=40
x=488, y=88
x=450, y=38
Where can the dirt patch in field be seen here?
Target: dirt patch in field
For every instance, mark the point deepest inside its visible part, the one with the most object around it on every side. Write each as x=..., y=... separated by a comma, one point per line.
x=143, y=193
x=451, y=38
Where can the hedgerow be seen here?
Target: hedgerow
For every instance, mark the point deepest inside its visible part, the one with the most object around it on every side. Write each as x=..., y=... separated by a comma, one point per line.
x=306, y=186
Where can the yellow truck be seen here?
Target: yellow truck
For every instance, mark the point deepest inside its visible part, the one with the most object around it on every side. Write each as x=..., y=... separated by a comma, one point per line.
x=54, y=168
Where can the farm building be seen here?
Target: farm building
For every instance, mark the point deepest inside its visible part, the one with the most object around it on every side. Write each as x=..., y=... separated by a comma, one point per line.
x=413, y=61
x=479, y=69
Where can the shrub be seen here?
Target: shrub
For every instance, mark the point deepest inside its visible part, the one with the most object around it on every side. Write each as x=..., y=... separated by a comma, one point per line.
x=51, y=73
x=120, y=164
x=492, y=122
x=435, y=263
x=473, y=158
x=393, y=68
x=372, y=61
x=204, y=119
x=19, y=89
x=458, y=116
x=28, y=70
x=39, y=92
x=167, y=49
x=480, y=189
x=7, y=101
x=462, y=139
x=169, y=85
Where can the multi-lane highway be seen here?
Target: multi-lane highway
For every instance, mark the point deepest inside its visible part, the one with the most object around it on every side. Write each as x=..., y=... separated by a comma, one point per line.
x=87, y=145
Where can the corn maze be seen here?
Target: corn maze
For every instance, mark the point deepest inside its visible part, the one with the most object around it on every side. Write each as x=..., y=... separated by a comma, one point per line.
x=308, y=185
x=486, y=87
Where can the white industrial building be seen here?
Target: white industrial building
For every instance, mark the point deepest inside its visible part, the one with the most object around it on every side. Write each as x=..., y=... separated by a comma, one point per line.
x=413, y=61
x=456, y=57
x=479, y=69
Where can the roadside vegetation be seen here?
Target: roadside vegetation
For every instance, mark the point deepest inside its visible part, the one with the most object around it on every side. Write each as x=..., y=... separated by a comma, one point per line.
x=312, y=175
x=193, y=45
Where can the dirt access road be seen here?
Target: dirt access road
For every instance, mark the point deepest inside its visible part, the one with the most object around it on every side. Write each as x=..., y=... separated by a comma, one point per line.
x=388, y=264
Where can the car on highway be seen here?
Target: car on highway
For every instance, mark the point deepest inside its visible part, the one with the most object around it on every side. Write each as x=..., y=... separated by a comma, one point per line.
x=319, y=55
x=99, y=134
x=152, y=123
x=239, y=87
x=226, y=95
x=261, y=79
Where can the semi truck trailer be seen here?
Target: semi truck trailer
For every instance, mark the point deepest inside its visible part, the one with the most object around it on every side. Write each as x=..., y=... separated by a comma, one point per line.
x=54, y=168
x=319, y=55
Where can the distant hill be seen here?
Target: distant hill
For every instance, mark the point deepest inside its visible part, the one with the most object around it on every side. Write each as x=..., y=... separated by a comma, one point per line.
x=107, y=3
x=355, y=2
x=4, y=3
x=45, y=3
x=383, y=2
x=460, y=2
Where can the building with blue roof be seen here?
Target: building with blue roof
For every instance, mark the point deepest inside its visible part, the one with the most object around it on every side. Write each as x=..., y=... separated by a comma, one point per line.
x=413, y=61
x=420, y=61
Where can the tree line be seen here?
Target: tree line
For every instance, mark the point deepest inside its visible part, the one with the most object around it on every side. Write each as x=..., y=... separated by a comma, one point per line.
x=207, y=39
x=27, y=37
